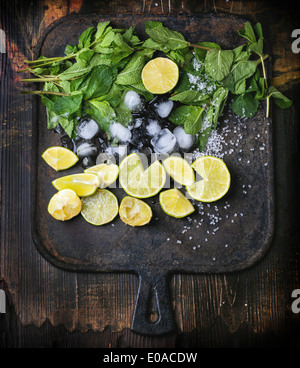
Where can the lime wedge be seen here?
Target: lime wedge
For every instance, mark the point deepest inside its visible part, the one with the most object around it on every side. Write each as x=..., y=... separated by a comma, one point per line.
x=59, y=158
x=179, y=170
x=108, y=174
x=175, y=204
x=83, y=184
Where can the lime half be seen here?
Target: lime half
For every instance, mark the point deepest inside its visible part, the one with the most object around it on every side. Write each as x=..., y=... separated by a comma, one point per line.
x=138, y=182
x=100, y=208
x=215, y=181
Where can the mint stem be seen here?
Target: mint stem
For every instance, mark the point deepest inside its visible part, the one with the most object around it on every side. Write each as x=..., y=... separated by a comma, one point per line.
x=200, y=47
x=40, y=80
x=53, y=59
x=44, y=93
x=266, y=83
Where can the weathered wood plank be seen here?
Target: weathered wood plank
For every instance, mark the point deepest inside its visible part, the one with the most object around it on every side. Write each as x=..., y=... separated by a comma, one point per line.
x=251, y=308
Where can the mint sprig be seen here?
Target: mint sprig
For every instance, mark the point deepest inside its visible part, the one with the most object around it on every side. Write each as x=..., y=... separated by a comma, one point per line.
x=95, y=74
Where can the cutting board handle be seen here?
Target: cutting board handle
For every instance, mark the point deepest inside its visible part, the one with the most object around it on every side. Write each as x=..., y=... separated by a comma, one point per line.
x=150, y=290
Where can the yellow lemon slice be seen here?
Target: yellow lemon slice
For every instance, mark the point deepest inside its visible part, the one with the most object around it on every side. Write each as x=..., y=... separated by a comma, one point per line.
x=215, y=181
x=100, y=208
x=179, y=170
x=135, y=212
x=138, y=182
x=108, y=174
x=60, y=158
x=83, y=184
x=64, y=205
x=160, y=75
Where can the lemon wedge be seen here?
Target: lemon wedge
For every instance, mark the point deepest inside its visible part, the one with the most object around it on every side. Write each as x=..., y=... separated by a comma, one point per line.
x=60, y=158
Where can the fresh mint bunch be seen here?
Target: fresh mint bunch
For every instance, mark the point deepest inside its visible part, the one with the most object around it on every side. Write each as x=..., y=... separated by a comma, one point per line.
x=94, y=75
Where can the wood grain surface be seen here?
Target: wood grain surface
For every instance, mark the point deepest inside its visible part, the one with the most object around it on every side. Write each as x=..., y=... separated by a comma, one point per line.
x=49, y=307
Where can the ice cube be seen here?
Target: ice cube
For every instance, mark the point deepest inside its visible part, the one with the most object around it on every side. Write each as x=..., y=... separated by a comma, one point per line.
x=164, y=142
x=88, y=162
x=88, y=129
x=136, y=141
x=133, y=101
x=86, y=149
x=153, y=127
x=138, y=122
x=119, y=131
x=164, y=108
x=184, y=140
x=120, y=150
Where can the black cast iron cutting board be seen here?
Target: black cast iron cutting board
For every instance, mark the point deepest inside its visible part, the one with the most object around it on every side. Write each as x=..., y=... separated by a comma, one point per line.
x=196, y=244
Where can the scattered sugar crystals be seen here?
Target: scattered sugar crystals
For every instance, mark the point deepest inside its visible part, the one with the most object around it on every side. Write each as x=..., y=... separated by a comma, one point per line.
x=228, y=143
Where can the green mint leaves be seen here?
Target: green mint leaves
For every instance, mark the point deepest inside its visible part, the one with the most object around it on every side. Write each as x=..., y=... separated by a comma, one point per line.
x=218, y=63
x=94, y=75
x=254, y=35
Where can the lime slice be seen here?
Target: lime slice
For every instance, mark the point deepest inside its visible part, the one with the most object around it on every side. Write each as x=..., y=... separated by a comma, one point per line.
x=59, y=158
x=100, y=208
x=135, y=212
x=138, y=182
x=179, y=170
x=83, y=184
x=108, y=174
x=64, y=205
x=215, y=181
x=160, y=75
x=175, y=204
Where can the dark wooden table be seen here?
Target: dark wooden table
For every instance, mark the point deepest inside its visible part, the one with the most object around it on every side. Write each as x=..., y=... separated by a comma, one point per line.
x=49, y=307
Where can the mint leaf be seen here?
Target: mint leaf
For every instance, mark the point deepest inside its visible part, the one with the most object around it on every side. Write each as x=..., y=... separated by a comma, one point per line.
x=102, y=112
x=245, y=105
x=131, y=74
x=71, y=49
x=189, y=97
x=248, y=32
x=206, y=128
x=74, y=71
x=236, y=80
x=130, y=37
x=68, y=105
x=85, y=38
x=240, y=55
x=280, y=100
x=123, y=114
x=257, y=85
x=164, y=36
x=201, y=53
x=189, y=116
x=84, y=56
x=257, y=47
x=151, y=44
x=218, y=103
x=100, y=29
x=218, y=63
x=67, y=124
x=99, y=81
